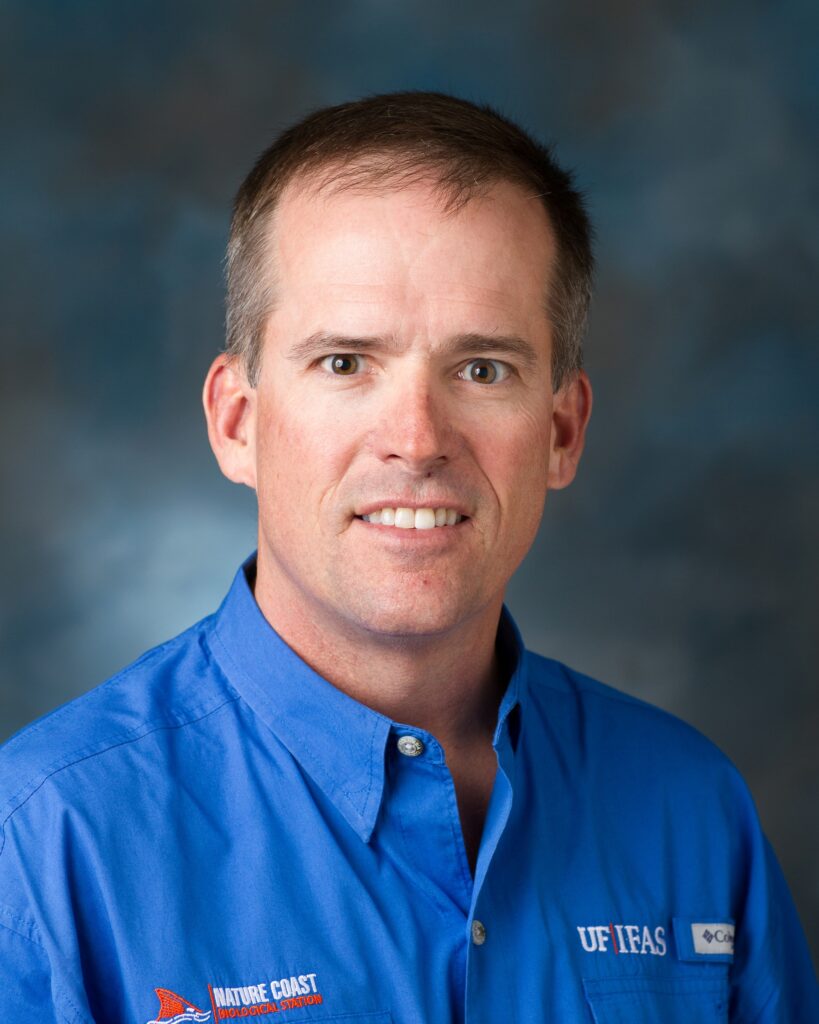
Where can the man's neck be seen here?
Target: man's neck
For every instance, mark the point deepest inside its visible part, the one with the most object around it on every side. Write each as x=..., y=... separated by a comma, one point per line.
x=449, y=684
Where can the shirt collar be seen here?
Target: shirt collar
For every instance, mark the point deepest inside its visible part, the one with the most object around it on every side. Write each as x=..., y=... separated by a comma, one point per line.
x=336, y=739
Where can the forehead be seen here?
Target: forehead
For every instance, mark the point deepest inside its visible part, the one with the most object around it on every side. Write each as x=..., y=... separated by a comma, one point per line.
x=399, y=254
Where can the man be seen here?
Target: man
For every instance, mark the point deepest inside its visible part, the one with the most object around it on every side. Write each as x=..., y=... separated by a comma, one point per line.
x=351, y=794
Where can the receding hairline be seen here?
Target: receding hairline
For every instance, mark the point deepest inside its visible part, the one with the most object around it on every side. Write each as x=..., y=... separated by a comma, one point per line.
x=329, y=179
x=374, y=171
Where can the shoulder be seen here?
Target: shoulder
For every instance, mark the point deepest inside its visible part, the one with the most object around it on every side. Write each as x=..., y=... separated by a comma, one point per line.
x=614, y=728
x=641, y=776
x=169, y=687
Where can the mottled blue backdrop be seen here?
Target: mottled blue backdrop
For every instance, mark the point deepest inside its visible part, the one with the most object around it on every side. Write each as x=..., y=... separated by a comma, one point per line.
x=681, y=566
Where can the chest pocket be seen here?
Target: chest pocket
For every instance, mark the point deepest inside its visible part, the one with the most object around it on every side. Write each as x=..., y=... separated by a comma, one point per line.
x=700, y=998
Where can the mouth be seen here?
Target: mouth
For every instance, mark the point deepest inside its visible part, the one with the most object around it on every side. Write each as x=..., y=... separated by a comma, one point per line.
x=404, y=518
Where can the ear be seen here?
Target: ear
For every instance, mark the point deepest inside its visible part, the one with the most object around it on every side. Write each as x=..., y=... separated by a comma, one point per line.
x=571, y=410
x=230, y=411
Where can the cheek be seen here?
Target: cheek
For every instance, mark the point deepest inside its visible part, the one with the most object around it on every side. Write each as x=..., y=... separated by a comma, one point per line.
x=519, y=468
x=278, y=456
x=300, y=453
x=520, y=455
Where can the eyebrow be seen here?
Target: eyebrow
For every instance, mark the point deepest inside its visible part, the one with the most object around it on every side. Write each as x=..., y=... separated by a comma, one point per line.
x=324, y=343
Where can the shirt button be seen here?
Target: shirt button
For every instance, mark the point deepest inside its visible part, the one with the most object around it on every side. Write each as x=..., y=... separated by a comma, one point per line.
x=410, y=746
x=478, y=933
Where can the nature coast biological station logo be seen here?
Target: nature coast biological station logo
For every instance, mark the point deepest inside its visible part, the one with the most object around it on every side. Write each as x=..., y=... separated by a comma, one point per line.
x=229, y=1002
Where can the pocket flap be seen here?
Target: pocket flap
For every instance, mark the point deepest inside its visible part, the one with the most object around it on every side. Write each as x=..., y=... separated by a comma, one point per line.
x=701, y=998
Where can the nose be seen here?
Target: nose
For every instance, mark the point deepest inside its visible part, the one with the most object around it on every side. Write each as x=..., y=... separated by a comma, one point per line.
x=414, y=426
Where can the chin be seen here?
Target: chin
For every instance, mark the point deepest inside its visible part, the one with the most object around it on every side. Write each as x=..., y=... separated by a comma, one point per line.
x=393, y=615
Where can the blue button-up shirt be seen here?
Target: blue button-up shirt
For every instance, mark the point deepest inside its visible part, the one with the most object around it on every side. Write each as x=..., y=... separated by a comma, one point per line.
x=219, y=833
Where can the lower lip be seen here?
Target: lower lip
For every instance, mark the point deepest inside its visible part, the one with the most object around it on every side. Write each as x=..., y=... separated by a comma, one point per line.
x=437, y=536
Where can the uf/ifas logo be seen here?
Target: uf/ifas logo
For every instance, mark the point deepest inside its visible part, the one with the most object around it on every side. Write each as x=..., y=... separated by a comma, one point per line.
x=173, y=1009
x=622, y=938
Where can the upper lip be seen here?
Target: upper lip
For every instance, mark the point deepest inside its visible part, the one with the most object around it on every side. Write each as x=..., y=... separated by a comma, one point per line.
x=376, y=506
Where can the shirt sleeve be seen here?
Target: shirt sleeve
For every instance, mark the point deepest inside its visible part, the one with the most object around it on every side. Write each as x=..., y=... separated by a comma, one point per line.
x=774, y=981
x=26, y=978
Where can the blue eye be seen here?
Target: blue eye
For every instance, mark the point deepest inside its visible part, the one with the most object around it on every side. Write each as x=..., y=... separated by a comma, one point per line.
x=485, y=371
x=341, y=364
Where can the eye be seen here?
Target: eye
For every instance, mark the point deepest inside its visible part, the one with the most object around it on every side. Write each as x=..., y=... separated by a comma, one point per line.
x=342, y=364
x=485, y=371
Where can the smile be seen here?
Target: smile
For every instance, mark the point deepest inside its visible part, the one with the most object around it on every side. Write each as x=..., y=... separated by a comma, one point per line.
x=414, y=518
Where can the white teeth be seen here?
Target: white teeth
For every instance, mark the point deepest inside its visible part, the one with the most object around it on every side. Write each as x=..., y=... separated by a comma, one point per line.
x=404, y=518
x=414, y=518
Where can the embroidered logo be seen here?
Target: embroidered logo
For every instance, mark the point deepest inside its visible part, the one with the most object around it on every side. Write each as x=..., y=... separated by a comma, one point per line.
x=229, y=1001
x=264, y=997
x=173, y=1009
x=622, y=938
x=713, y=938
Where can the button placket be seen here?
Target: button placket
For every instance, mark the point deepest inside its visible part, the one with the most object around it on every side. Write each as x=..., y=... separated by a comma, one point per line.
x=422, y=803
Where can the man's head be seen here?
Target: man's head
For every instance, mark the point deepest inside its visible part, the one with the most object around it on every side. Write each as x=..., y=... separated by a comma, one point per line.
x=392, y=141
x=405, y=361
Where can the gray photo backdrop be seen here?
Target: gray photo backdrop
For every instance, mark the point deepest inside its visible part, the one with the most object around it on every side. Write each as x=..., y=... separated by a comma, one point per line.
x=681, y=565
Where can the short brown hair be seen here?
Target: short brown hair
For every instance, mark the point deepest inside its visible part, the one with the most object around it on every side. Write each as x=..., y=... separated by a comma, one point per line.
x=395, y=140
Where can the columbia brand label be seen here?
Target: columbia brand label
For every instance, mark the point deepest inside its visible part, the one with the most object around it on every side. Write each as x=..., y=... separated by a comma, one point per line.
x=713, y=938
x=629, y=939
x=701, y=941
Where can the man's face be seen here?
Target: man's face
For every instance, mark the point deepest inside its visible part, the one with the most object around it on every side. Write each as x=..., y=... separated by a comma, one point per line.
x=406, y=366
